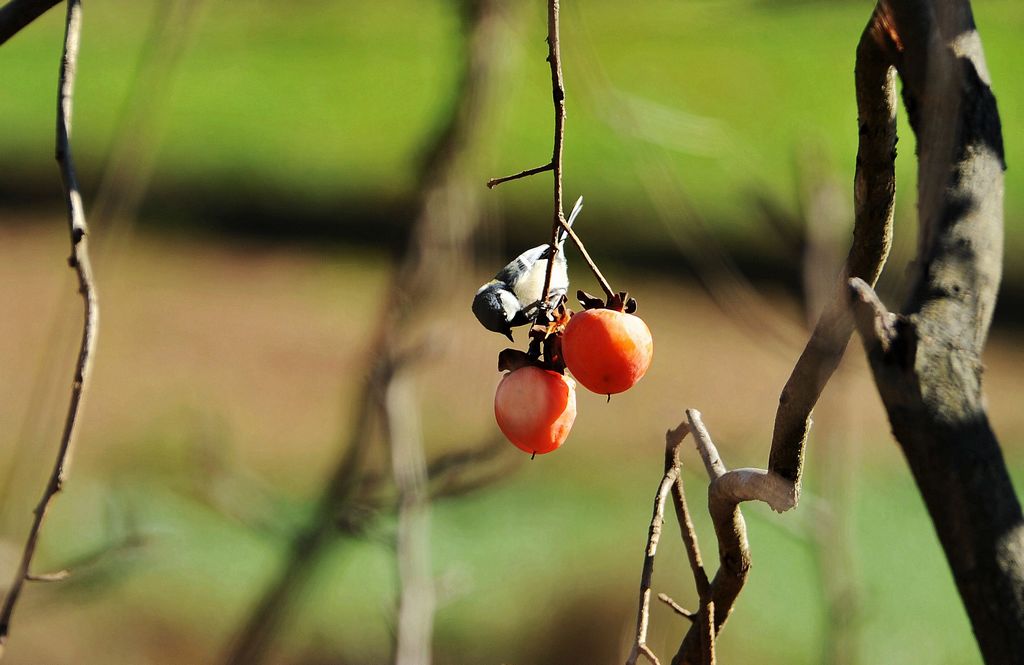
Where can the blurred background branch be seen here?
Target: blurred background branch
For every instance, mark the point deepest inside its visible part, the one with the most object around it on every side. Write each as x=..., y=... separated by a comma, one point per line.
x=448, y=216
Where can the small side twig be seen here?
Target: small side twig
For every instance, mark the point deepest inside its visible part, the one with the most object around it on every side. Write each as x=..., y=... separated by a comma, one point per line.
x=676, y=607
x=494, y=182
x=79, y=261
x=874, y=321
x=57, y=576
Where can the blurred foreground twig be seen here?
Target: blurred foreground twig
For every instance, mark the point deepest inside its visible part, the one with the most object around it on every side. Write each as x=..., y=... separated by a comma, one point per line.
x=79, y=261
x=17, y=14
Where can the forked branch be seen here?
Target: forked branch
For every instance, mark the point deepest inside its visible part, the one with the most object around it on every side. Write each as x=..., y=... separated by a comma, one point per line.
x=725, y=492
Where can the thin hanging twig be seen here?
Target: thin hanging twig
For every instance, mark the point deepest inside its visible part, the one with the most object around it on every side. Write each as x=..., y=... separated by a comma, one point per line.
x=79, y=261
x=558, y=98
x=555, y=165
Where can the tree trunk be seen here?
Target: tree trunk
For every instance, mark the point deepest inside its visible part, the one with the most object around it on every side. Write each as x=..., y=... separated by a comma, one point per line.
x=927, y=360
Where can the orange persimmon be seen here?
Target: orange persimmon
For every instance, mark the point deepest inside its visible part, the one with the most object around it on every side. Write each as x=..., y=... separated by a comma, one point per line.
x=607, y=351
x=535, y=408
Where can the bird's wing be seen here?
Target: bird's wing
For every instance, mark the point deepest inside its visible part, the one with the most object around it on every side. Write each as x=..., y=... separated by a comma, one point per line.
x=515, y=269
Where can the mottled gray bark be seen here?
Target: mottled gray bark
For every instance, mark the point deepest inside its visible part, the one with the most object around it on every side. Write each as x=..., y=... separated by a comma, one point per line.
x=927, y=360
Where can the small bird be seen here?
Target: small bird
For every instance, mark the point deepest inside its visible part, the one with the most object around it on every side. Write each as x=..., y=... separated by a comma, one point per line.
x=512, y=298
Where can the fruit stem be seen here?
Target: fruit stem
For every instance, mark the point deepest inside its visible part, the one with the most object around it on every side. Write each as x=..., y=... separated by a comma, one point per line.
x=605, y=286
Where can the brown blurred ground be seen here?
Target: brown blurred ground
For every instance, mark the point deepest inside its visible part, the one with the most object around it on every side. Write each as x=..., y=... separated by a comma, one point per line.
x=256, y=350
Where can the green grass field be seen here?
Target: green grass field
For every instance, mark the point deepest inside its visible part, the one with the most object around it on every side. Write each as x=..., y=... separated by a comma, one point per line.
x=325, y=102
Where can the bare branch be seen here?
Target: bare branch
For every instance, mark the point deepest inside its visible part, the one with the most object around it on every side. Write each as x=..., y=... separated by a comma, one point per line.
x=442, y=467
x=733, y=551
x=558, y=98
x=17, y=14
x=494, y=182
x=872, y=237
x=646, y=651
x=708, y=453
x=741, y=485
x=79, y=261
x=676, y=607
x=726, y=490
x=707, y=637
x=58, y=576
x=705, y=617
x=673, y=439
x=673, y=455
x=558, y=221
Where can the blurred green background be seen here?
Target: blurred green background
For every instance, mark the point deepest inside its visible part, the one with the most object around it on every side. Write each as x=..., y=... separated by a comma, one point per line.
x=238, y=301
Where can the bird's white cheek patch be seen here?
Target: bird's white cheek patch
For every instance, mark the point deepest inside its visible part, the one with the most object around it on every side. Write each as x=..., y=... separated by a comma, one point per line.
x=510, y=305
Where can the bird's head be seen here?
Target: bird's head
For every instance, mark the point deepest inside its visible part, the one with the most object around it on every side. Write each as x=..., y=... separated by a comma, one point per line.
x=495, y=307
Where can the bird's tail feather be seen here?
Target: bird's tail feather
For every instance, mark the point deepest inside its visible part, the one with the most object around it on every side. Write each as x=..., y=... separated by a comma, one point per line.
x=562, y=235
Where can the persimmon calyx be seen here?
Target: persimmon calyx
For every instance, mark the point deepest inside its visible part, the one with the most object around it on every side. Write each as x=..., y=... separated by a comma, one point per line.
x=620, y=302
x=548, y=356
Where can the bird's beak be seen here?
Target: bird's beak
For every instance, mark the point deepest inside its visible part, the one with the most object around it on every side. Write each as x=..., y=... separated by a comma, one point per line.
x=508, y=333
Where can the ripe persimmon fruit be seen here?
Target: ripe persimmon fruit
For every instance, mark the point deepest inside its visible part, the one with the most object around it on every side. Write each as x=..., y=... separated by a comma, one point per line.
x=535, y=408
x=607, y=351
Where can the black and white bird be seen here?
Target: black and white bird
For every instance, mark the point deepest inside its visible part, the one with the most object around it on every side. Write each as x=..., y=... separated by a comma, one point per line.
x=512, y=298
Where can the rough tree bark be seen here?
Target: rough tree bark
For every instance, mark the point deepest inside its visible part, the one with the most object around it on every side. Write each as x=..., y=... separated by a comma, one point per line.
x=927, y=359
